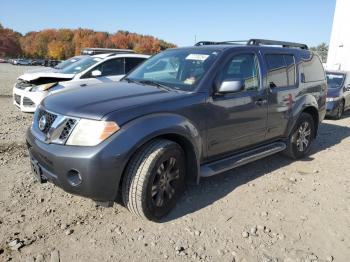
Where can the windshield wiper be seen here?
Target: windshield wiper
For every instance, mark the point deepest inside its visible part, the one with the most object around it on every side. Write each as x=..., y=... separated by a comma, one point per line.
x=156, y=84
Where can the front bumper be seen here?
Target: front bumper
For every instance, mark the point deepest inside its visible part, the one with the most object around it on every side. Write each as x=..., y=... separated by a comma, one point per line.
x=100, y=167
x=332, y=107
x=27, y=101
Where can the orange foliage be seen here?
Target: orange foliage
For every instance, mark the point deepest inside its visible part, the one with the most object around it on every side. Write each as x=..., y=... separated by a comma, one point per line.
x=64, y=43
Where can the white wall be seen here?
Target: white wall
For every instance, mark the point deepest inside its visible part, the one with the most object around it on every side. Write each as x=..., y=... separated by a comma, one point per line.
x=339, y=46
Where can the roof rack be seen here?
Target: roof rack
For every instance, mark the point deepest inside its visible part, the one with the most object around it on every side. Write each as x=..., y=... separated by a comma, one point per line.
x=234, y=42
x=274, y=42
x=255, y=42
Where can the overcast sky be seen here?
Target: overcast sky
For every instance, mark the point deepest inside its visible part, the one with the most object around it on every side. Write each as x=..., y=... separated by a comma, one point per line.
x=179, y=21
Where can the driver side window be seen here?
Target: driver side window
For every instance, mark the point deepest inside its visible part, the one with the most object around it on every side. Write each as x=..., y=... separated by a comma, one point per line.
x=109, y=68
x=245, y=68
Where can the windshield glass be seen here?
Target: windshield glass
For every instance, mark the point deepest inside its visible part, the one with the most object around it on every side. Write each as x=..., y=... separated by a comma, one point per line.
x=335, y=80
x=178, y=69
x=68, y=62
x=80, y=65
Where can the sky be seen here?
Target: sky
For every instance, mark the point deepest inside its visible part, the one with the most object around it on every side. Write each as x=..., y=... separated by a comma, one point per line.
x=180, y=21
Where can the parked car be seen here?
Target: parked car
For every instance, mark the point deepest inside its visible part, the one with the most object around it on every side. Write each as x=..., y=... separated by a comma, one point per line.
x=338, y=95
x=31, y=88
x=21, y=62
x=184, y=114
x=2, y=60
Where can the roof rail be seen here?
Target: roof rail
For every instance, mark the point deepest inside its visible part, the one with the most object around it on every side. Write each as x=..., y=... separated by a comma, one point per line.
x=255, y=42
x=234, y=42
x=274, y=42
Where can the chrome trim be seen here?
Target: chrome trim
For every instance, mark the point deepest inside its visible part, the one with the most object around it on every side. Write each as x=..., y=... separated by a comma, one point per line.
x=53, y=135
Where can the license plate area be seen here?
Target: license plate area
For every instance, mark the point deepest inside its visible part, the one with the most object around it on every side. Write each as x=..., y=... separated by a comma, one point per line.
x=36, y=169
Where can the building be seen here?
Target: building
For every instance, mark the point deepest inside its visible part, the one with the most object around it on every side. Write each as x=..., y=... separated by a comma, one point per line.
x=339, y=46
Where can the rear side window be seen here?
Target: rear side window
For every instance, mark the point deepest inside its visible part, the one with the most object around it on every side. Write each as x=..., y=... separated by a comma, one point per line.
x=281, y=70
x=132, y=62
x=312, y=69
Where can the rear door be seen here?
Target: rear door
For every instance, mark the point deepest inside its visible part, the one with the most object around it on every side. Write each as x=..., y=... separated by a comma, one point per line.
x=282, y=82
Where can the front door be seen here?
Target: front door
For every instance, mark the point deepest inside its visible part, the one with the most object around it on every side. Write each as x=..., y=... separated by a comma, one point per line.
x=237, y=120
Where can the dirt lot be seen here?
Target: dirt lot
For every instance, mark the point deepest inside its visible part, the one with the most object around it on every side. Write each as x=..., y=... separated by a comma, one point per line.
x=271, y=210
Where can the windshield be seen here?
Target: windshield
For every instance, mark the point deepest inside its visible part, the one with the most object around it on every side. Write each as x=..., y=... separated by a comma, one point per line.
x=178, y=69
x=68, y=62
x=80, y=65
x=335, y=80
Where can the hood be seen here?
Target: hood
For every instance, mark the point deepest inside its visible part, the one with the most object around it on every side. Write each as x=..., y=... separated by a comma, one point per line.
x=96, y=101
x=41, y=70
x=334, y=92
x=40, y=75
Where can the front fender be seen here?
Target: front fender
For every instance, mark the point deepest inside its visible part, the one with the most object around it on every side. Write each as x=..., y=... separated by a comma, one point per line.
x=136, y=133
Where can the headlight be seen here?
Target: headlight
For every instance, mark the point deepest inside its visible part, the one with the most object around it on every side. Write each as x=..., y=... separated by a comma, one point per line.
x=91, y=132
x=43, y=87
x=331, y=99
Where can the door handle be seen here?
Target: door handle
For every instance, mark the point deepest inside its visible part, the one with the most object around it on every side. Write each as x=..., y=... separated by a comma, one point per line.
x=260, y=102
x=82, y=85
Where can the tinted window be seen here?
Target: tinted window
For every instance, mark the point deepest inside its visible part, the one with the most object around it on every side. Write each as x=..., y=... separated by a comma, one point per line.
x=243, y=67
x=281, y=70
x=313, y=69
x=291, y=69
x=277, y=71
x=132, y=62
x=111, y=67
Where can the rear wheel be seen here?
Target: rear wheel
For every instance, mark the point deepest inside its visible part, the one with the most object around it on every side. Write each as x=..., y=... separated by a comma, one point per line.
x=154, y=179
x=299, y=141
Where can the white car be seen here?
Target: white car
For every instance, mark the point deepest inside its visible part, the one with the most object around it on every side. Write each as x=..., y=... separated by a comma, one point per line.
x=32, y=88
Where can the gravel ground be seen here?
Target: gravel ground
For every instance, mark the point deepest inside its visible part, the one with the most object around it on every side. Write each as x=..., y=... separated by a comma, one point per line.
x=270, y=210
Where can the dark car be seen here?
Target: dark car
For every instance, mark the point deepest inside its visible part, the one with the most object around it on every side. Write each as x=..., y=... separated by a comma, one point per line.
x=338, y=95
x=183, y=114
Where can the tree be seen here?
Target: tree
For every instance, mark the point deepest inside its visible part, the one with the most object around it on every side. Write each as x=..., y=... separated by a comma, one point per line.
x=322, y=51
x=65, y=43
x=9, y=43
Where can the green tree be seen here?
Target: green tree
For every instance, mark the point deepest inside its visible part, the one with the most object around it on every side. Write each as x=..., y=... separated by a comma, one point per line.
x=321, y=50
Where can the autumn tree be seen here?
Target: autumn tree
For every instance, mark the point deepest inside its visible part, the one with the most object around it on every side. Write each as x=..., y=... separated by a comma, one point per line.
x=65, y=43
x=9, y=43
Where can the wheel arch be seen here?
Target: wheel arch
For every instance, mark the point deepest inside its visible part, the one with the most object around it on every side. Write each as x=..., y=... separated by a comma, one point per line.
x=171, y=127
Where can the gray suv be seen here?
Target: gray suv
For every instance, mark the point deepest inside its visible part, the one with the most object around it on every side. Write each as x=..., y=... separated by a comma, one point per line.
x=184, y=114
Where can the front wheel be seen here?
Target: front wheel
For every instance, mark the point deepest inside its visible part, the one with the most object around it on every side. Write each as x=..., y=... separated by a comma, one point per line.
x=299, y=141
x=340, y=110
x=154, y=179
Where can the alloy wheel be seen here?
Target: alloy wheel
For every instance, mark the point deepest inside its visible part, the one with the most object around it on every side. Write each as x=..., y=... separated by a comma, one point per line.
x=163, y=187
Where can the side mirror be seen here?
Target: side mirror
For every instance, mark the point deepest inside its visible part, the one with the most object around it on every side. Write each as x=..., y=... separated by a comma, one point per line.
x=230, y=86
x=96, y=73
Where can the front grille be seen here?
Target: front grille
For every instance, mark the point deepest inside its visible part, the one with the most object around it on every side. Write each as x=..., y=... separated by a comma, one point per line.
x=67, y=129
x=50, y=118
x=27, y=101
x=17, y=99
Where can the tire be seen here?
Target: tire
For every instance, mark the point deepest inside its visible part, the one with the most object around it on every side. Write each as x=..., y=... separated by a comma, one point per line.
x=340, y=110
x=154, y=179
x=300, y=140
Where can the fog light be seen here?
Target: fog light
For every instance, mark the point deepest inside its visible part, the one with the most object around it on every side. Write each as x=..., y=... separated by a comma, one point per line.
x=74, y=177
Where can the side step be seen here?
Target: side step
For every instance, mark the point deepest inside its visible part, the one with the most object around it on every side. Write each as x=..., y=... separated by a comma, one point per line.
x=223, y=165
